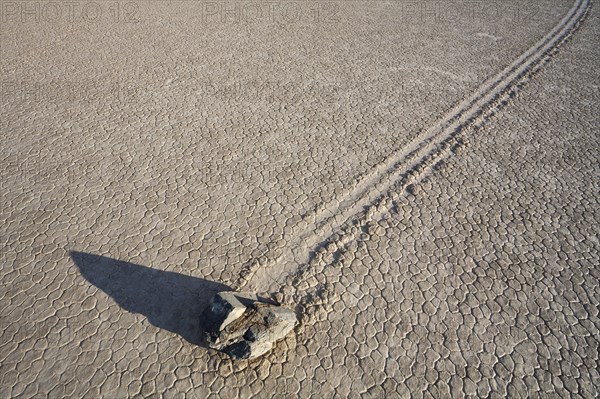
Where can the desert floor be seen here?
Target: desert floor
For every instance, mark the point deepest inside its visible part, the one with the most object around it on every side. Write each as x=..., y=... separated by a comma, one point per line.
x=418, y=180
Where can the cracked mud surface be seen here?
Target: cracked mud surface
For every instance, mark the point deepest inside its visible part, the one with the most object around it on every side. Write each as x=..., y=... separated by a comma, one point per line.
x=481, y=279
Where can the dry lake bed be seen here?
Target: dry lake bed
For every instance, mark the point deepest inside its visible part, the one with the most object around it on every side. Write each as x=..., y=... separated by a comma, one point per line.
x=418, y=181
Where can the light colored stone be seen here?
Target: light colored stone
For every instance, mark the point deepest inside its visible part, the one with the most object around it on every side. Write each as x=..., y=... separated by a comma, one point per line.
x=244, y=325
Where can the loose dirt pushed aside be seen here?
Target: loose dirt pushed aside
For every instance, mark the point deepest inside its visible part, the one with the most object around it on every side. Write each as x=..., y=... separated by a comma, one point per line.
x=203, y=144
x=482, y=279
x=409, y=163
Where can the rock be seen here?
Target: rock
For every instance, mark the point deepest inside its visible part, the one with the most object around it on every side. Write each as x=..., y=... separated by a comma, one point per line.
x=244, y=325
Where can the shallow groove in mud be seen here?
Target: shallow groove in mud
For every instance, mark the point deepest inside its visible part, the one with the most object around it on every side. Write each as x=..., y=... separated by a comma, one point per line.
x=404, y=166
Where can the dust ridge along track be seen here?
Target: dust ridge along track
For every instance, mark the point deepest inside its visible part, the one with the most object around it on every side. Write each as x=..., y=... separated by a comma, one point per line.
x=403, y=164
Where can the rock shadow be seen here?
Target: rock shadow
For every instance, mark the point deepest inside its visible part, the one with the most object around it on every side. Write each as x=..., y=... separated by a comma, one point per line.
x=169, y=300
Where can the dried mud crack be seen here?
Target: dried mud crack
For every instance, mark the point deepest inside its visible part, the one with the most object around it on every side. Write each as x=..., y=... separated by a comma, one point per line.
x=406, y=165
